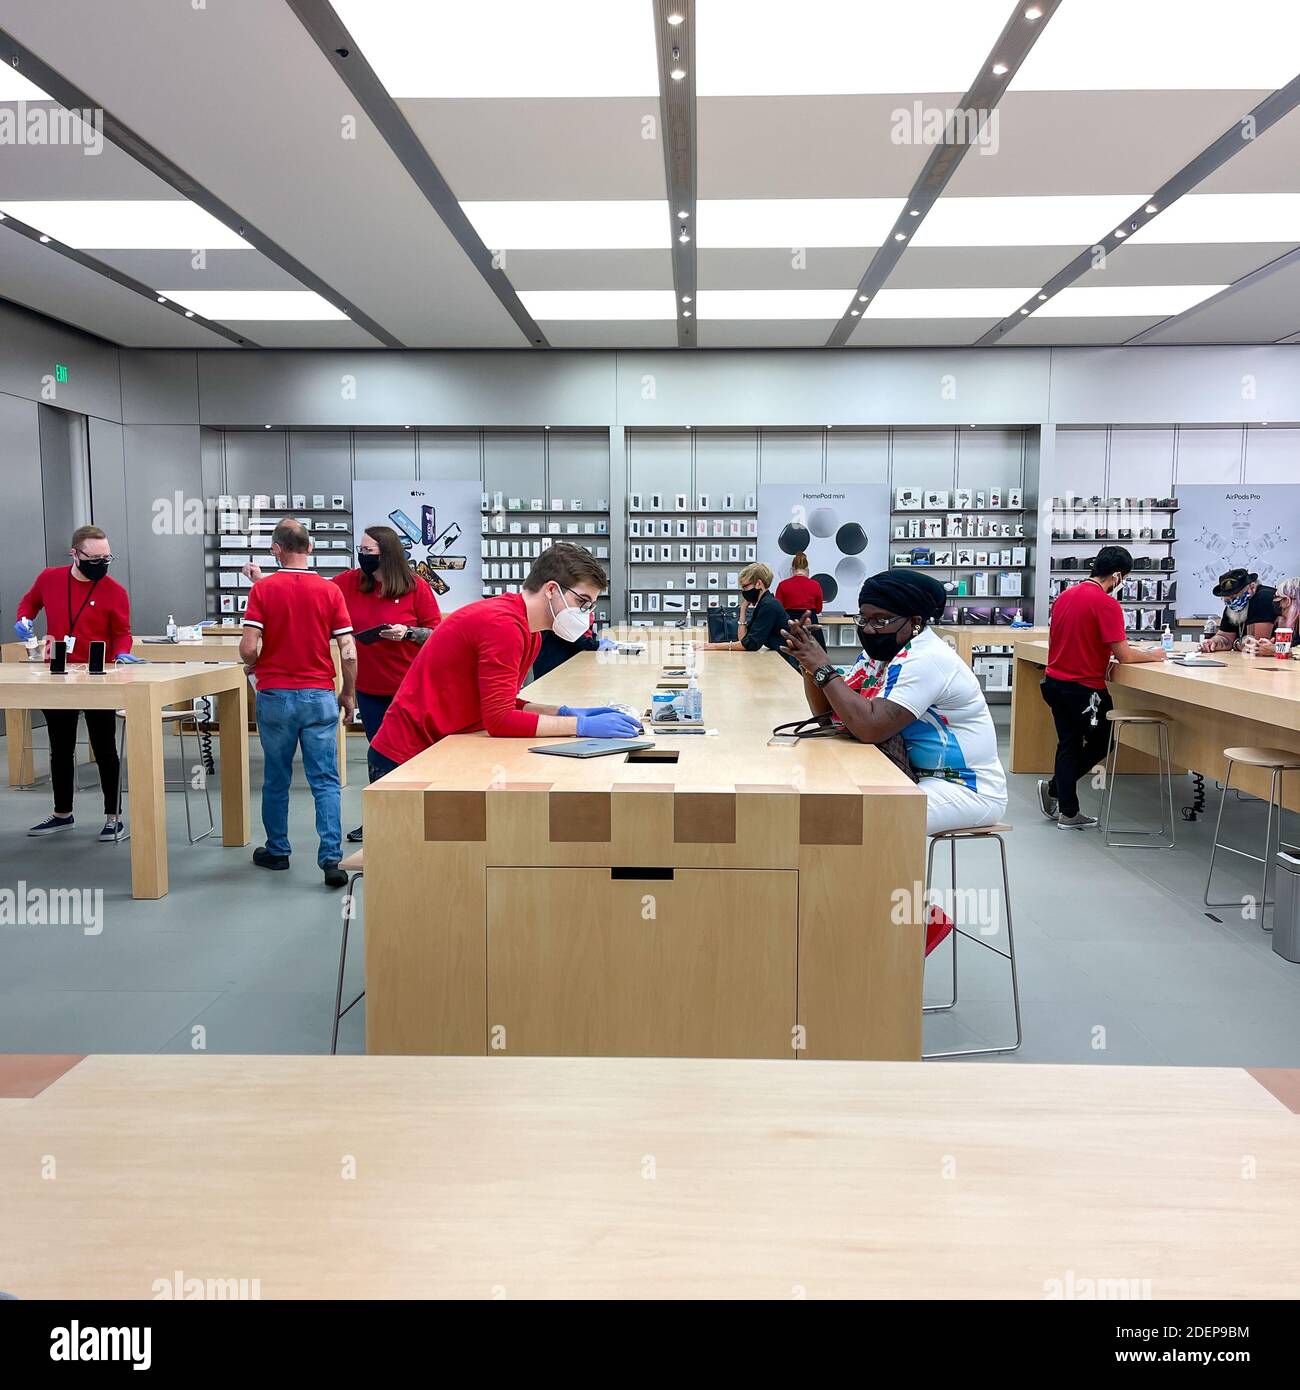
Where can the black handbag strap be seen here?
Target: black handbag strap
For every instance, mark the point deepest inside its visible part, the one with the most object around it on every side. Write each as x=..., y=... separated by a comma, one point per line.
x=812, y=726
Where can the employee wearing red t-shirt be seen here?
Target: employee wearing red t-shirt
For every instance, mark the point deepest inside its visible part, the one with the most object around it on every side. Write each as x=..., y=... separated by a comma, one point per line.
x=468, y=675
x=293, y=615
x=384, y=593
x=81, y=605
x=801, y=595
x=1086, y=633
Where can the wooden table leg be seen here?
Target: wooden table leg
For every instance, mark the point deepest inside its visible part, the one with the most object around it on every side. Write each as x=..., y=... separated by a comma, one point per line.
x=18, y=746
x=1033, y=733
x=232, y=743
x=148, y=803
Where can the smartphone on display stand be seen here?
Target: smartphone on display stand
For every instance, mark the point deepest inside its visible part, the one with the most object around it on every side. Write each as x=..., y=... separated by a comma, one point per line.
x=59, y=659
x=405, y=525
x=428, y=525
x=95, y=659
x=449, y=537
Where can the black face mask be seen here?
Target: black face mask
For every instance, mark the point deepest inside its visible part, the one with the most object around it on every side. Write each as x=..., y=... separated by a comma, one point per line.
x=93, y=569
x=368, y=564
x=751, y=595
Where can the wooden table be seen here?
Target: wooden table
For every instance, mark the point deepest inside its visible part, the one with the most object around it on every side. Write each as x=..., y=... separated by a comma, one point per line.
x=216, y=644
x=1247, y=701
x=144, y=692
x=736, y=903
x=965, y=637
x=383, y=1177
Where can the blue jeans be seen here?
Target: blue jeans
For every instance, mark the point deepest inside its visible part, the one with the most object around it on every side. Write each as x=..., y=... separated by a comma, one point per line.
x=372, y=709
x=286, y=718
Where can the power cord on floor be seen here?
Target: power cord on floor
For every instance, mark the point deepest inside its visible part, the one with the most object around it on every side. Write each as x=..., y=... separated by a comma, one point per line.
x=203, y=727
x=1197, y=808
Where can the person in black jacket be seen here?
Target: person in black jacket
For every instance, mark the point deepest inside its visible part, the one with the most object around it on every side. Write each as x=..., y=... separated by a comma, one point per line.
x=555, y=651
x=761, y=616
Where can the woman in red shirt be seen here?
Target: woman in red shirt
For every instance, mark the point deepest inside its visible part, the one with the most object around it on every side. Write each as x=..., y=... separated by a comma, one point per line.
x=384, y=592
x=800, y=595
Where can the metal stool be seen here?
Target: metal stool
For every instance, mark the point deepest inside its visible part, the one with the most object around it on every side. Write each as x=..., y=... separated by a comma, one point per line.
x=177, y=717
x=1164, y=770
x=1277, y=761
x=979, y=832
x=354, y=864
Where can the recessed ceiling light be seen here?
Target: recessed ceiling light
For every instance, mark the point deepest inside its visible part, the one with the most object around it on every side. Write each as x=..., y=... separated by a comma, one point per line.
x=677, y=74
x=1024, y=311
x=749, y=223
x=1119, y=233
x=189, y=313
x=266, y=427
x=1167, y=45
x=853, y=313
x=862, y=299
x=686, y=299
x=15, y=87
x=914, y=212
x=619, y=224
x=407, y=427
x=1101, y=301
x=162, y=299
x=44, y=239
x=598, y=304
x=133, y=225
x=900, y=236
x=674, y=19
x=773, y=304
x=510, y=48
x=976, y=303
x=283, y=305
x=999, y=69
x=683, y=215
x=1051, y=220
x=1042, y=296
x=1150, y=207
x=683, y=236
x=686, y=313
x=1033, y=12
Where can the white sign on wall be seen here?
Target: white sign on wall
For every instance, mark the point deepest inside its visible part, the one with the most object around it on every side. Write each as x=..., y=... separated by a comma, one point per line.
x=844, y=531
x=1255, y=527
x=440, y=524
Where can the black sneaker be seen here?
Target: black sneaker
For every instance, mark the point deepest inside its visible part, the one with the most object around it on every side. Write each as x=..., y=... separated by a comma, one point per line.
x=51, y=825
x=1046, y=801
x=264, y=859
x=334, y=876
x=354, y=836
x=114, y=832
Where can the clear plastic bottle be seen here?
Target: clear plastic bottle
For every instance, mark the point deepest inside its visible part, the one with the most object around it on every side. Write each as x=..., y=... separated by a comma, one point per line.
x=171, y=627
x=1167, y=640
x=693, y=702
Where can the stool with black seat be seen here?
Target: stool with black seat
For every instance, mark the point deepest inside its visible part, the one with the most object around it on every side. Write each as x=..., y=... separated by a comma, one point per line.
x=980, y=832
x=1275, y=761
x=1123, y=719
x=354, y=865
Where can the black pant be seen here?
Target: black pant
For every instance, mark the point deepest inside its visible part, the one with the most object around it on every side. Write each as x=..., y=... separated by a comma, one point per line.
x=1080, y=745
x=101, y=725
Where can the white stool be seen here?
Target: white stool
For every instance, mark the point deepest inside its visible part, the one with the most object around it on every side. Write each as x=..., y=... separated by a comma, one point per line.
x=979, y=832
x=178, y=718
x=1276, y=761
x=354, y=864
x=1164, y=770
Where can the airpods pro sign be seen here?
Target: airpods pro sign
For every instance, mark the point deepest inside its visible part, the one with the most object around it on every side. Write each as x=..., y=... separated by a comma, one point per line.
x=1255, y=527
x=844, y=531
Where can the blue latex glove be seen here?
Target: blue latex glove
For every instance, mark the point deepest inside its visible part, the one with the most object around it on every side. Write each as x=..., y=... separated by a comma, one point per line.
x=607, y=644
x=575, y=710
x=23, y=627
x=610, y=723
x=126, y=659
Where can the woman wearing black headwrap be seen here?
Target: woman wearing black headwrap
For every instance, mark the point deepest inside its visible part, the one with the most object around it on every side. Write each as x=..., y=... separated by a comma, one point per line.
x=910, y=683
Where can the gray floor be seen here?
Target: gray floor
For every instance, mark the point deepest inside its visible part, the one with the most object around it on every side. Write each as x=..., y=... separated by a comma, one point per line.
x=1119, y=962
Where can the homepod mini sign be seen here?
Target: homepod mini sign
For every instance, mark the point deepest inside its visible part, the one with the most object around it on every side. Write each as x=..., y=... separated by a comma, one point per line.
x=844, y=532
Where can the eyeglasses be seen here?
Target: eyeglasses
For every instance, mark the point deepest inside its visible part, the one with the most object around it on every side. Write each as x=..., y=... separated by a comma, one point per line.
x=878, y=624
x=107, y=559
x=585, y=604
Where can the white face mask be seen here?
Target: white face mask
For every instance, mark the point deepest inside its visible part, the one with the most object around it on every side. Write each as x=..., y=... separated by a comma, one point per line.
x=569, y=624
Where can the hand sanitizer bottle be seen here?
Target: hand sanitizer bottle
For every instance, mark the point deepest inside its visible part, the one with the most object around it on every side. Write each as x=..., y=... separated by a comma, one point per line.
x=1167, y=641
x=171, y=628
x=693, y=702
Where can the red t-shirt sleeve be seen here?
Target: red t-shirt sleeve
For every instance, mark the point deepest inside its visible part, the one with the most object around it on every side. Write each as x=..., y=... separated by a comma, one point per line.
x=31, y=602
x=427, y=612
x=119, y=628
x=340, y=621
x=500, y=659
x=1110, y=621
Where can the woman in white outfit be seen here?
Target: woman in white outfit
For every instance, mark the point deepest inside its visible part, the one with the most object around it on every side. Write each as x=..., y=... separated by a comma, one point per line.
x=910, y=685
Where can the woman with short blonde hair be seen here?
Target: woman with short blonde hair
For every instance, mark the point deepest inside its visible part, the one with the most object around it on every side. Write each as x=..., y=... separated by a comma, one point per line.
x=761, y=616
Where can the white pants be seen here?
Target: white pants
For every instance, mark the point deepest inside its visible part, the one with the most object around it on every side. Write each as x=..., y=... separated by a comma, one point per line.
x=953, y=806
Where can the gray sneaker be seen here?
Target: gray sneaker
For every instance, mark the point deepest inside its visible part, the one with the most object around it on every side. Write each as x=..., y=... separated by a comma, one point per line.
x=1047, y=801
x=1079, y=822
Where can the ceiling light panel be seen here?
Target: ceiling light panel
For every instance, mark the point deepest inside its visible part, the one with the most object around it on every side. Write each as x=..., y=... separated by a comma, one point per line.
x=593, y=305
x=508, y=48
x=1104, y=301
x=15, y=87
x=738, y=223
x=994, y=302
x=138, y=225
x=772, y=304
x=1165, y=45
x=1064, y=220
x=827, y=47
x=1224, y=217
x=617, y=224
x=251, y=305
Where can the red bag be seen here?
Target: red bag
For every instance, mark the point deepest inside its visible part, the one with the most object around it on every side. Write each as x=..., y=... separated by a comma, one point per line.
x=938, y=925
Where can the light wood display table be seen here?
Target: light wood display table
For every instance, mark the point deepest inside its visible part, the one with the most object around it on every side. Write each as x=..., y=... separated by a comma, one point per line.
x=1247, y=700
x=965, y=637
x=144, y=692
x=735, y=903
x=383, y=1177
x=217, y=644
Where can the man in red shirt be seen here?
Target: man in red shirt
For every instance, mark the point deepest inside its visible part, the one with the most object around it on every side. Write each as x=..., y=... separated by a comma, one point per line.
x=81, y=605
x=468, y=675
x=293, y=615
x=1085, y=635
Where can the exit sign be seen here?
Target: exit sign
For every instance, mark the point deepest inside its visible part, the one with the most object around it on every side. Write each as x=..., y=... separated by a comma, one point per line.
x=60, y=372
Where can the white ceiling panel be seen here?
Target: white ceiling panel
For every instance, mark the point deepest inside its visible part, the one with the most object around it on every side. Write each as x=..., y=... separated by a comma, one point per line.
x=1262, y=312
x=1079, y=332
x=44, y=171
x=125, y=225
x=1054, y=220
x=741, y=333
x=590, y=270
x=626, y=224
x=918, y=332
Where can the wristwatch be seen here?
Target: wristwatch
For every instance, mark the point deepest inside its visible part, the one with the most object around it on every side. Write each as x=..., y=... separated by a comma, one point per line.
x=823, y=674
